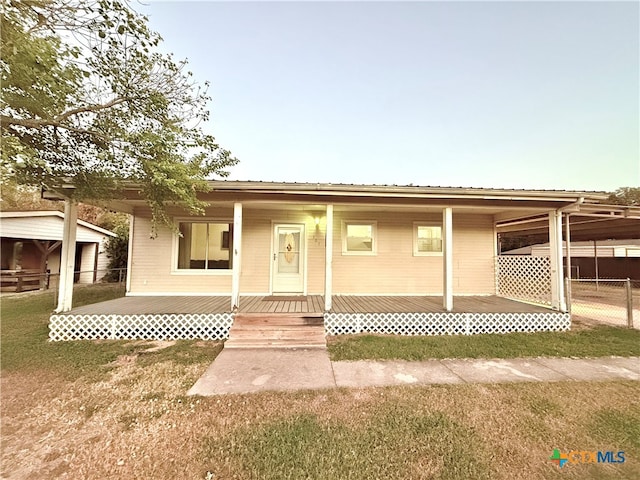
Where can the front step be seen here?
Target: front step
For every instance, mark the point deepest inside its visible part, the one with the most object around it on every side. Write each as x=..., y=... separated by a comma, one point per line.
x=260, y=330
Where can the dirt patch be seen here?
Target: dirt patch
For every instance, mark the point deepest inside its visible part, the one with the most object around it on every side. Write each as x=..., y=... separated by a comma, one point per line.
x=159, y=345
x=138, y=423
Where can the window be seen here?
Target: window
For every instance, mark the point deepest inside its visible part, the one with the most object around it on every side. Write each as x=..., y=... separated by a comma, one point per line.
x=204, y=246
x=427, y=239
x=359, y=238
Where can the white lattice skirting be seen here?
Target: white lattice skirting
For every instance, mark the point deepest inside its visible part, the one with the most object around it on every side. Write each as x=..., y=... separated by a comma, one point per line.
x=176, y=326
x=444, y=323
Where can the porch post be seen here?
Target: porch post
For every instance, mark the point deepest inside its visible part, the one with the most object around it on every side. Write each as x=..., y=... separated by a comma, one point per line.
x=447, y=259
x=555, y=250
x=132, y=222
x=237, y=255
x=328, y=262
x=68, y=256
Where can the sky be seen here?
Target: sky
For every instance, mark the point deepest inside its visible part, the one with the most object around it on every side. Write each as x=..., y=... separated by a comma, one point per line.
x=473, y=94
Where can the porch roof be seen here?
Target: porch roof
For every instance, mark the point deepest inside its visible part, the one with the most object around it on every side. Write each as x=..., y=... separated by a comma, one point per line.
x=502, y=200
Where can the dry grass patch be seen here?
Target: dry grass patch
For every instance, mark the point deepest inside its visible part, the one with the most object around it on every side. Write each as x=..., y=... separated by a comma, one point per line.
x=132, y=420
x=139, y=424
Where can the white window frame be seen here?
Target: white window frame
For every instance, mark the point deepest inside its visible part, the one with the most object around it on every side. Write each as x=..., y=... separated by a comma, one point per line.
x=176, y=245
x=374, y=237
x=416, y=252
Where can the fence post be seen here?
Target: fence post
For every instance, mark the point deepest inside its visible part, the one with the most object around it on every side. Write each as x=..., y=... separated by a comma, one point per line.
x=567, y=292
x=629, y=304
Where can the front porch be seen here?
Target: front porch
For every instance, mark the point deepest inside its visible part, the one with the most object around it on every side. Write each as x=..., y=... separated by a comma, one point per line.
x=210, y=317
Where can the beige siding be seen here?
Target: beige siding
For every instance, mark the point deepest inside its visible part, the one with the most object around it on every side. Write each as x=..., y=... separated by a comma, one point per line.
x=393, y=270
x=473, y=255
x=257, y=249
x=152, y=270
x=87, y=263
x=151, y=266
x=103, y=259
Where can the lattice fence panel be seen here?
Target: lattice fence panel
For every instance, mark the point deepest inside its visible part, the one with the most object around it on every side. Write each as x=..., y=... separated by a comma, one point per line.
x=178, y=326
x=524, y=278
x=443, y=323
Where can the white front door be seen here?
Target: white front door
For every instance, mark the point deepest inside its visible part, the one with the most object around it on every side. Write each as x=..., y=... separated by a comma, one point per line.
x=288, y=258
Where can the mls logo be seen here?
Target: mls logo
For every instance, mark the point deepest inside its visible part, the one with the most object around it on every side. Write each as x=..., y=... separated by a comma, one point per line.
x=559, y=458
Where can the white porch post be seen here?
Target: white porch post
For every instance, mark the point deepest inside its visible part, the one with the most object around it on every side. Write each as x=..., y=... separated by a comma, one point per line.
x=237, y=255
x=447, y=259
x=555, y=250
x=328, y=262
x=130, y=251
x=68, y=256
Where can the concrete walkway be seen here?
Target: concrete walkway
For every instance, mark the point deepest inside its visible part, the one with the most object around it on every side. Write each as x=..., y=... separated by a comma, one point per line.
x=247, y=370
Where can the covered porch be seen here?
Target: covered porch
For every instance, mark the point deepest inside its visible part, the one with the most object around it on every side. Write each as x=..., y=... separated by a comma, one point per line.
x=150, y=305
x=210, y=317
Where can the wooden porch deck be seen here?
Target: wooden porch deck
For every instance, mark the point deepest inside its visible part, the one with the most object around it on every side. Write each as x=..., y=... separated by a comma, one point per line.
x=140, y=305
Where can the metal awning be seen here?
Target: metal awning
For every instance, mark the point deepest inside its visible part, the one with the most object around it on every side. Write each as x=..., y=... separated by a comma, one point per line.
x=587, y=222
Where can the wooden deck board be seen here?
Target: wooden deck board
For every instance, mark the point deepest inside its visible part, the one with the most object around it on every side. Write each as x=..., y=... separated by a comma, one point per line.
x=314, y=304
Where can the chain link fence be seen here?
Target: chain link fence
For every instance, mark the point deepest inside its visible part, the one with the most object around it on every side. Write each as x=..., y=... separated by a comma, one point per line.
x=607, y=301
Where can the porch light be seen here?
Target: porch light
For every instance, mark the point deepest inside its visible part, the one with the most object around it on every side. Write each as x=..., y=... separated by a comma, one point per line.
x=317, y=220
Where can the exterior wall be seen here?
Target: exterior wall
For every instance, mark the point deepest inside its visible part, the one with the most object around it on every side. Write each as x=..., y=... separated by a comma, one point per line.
x=44, y=228
x=153, y=259
x=473, y=255
x=87, y=263
x=151, y=263
x=103, y=260
x=393, y=270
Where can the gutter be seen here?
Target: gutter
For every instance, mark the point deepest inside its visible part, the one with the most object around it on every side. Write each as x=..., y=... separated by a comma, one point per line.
x=572, y=208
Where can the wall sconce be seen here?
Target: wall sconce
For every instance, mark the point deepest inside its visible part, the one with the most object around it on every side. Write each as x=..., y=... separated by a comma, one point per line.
x=317, y=220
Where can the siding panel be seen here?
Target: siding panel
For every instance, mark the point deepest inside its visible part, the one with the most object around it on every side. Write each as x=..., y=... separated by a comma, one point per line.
x=393, y=270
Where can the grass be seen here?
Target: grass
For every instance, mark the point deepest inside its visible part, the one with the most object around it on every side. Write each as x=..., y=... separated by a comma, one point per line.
x=586, y=342
x=303, y=446
x=25, y=346
x=133, y=420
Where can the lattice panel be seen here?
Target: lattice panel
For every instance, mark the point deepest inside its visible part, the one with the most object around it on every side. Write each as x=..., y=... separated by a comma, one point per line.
x=524, y=278
x=443, y=323
x=200, y=326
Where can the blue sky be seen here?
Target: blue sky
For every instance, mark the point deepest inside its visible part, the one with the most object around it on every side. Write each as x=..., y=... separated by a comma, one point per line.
x=476, y=94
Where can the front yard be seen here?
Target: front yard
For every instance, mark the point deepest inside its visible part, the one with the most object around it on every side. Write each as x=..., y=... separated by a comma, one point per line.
x=118, y=410
x=581, y=341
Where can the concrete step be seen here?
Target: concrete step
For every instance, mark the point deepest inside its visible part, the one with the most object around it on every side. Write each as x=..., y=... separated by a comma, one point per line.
x=248, y=343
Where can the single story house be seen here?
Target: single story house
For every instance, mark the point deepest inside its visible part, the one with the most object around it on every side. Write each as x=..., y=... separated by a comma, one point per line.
x=376, y=258
x=30, y=248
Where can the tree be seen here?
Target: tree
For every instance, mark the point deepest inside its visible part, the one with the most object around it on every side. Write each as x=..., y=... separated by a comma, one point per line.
x=625, y=196
x=117, y=249
x=26, y=198
x=88, y=99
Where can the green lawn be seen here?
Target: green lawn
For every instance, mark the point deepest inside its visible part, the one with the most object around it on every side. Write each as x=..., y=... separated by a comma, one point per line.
x=593, y=342
x=112, y=410
x=25, y=345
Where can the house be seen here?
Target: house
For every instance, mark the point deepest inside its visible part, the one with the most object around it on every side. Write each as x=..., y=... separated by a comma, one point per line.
x=376, y=258
x=596, y=259
x=31, y=242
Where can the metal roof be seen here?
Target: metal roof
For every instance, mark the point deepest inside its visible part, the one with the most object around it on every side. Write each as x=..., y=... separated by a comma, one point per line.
x=411, y=189
x=52, y=213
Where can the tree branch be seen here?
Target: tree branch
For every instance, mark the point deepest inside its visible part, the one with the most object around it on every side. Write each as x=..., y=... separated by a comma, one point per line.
x=89, y=108
x=58, y=120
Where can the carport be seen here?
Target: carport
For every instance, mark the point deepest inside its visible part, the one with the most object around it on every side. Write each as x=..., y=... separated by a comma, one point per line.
x=588, y=223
